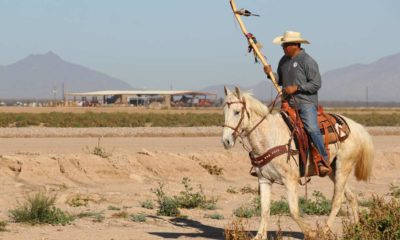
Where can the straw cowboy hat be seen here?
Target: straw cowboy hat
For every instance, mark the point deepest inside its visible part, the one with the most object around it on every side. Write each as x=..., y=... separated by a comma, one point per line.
x=290, y=37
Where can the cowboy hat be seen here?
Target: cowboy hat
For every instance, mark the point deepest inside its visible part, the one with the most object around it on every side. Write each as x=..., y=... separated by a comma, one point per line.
x=290, y=37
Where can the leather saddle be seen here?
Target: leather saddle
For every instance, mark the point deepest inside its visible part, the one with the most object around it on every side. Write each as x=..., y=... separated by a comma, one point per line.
x=333, y=128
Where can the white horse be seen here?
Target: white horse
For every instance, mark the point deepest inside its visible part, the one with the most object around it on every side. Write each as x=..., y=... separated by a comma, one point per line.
x=242, y=113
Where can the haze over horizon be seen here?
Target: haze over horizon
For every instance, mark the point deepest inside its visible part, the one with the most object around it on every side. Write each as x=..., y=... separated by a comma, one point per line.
x=191, y=45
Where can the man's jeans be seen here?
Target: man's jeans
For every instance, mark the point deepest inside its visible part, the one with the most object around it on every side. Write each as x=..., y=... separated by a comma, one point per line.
x=308, y=114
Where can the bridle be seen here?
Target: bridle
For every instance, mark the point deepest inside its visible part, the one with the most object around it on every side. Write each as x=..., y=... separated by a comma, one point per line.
x=236, y=132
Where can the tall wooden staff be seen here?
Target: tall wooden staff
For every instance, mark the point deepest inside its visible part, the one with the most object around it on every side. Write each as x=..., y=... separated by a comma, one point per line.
x=252, y=41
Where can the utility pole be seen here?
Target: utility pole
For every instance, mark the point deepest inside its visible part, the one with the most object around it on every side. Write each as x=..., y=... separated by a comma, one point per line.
x=367, y=95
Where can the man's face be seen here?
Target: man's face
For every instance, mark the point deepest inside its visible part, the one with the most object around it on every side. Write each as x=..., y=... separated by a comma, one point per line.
x=290, y=48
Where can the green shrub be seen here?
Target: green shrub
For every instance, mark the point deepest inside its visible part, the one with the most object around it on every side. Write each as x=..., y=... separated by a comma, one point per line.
x=317, y=206
x=214, y=216
x=394, y=191
x=96, y=216
x=168, y=206
x=113, y=208
x=244, y=212
x=3, y=225
x=39, y=209
x=148, y=204
x=382, y=221
x=139, y=217
x=212, y=169
x=189, y=199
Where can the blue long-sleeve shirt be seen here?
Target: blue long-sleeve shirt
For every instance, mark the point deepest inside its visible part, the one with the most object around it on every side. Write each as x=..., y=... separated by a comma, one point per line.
x=303, y=71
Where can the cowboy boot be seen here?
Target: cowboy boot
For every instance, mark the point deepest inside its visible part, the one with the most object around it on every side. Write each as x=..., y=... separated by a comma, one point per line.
x=321, y=167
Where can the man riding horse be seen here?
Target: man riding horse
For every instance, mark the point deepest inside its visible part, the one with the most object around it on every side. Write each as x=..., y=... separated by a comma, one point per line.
x=299, y=76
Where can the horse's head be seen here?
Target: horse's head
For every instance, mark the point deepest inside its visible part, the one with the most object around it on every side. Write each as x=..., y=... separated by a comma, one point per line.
x=236, y=116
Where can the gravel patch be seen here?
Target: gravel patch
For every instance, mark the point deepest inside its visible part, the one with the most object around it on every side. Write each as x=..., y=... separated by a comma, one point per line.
x=38, y=132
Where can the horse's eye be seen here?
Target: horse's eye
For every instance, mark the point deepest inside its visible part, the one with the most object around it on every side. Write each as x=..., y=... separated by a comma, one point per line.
x=236, y=112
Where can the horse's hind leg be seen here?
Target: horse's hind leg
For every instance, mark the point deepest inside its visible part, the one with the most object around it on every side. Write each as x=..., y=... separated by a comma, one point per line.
x=351, y=198
x=342, y=174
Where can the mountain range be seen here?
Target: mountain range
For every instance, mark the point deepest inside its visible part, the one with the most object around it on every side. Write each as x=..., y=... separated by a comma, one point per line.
x=42, y=76
x=378, y=81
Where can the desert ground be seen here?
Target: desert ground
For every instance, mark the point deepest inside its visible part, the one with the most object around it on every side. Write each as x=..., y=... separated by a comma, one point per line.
x=40, y=159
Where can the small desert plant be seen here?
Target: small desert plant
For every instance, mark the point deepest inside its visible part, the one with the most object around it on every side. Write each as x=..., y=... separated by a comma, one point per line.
x=139, y=217
x=113, y=208
x=231, y=190
x=212, y=169
x=381, y=221
x=214, y=216
x=248, y=189
x=3, y=225
x=237, y=231
x=317, y=206
x=394, y=191
x=189, y=199
x=168, y=206
x=39, y=208
x=244, y=212
x=78, y=201
x=99, y=150
x=96, y=216
x=148, y=204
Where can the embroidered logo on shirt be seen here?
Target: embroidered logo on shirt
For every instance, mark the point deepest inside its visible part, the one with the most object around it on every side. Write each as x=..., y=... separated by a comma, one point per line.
x=295, y=64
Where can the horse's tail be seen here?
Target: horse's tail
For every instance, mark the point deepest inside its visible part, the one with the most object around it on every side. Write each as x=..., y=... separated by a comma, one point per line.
x=363, y=168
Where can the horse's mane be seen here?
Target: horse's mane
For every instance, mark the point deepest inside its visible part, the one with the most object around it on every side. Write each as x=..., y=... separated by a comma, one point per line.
x=253, y=104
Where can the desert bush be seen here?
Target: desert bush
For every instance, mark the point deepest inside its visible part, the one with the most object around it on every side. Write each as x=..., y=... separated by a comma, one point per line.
x=99, y=150
x=231, y=190
x=148, y=204
x=394, y=191
x=139, y=217
x=78, y=201
x=3, y=225
x=96, y=216
x=214, y=216
x=113, y=208
x=319, y=205
x=236, y=230
x=247, y=189
x=168, y=206
x=212, y=169
x=381, y=221
x=39, y=208
x=189, y=199
x=244, y=212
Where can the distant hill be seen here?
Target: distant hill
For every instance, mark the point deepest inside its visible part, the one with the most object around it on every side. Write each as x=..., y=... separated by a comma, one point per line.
x=381, y=79
x=36, y=76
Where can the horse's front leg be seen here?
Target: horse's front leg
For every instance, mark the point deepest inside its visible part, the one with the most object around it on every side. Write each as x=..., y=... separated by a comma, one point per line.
x=293, y=200
x=265, y=194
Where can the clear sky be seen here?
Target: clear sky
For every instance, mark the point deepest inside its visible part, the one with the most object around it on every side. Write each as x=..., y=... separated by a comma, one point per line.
x=189, y=44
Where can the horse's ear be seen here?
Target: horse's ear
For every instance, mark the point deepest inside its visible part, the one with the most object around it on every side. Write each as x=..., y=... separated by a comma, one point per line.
x=227, y=91
x=237, y=92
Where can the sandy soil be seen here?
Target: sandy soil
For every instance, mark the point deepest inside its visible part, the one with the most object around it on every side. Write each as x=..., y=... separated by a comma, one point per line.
x=65, y=166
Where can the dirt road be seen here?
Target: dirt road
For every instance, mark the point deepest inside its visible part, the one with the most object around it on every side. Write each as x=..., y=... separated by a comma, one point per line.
x=67, y=167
